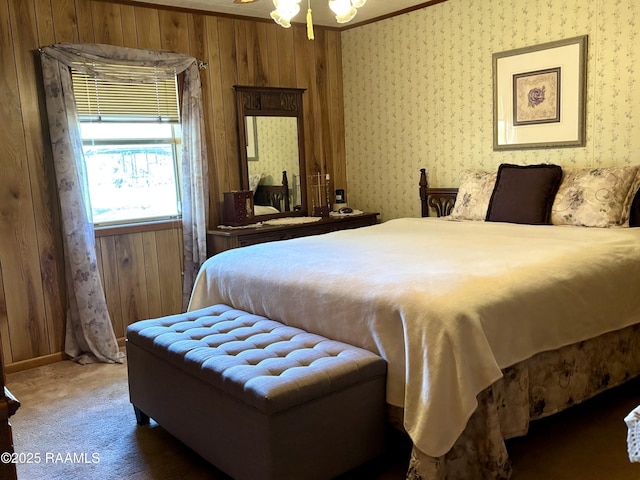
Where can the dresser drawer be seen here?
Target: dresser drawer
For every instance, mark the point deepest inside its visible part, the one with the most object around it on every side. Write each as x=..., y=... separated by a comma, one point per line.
x=245, y=241
x=220, y=239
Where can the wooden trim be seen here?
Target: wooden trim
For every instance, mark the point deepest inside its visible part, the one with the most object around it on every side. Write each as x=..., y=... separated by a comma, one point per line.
x=46, y=360
x=106, y=231
x=35, y=362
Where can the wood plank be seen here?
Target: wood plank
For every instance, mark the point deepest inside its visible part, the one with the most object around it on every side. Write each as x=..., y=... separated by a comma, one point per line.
x=41, y=172
x=85, y=21
x=197, y=27
x=229, y=170
x=305, y=78
x=261, y=54
x=214, y=120
x=129, y=27
x=273, y=54
x=199, y=49
x=107, y=23
x=4, y=323
x=323, y=132
x=334, y=94
x=65, y=21
x=151, y=260
x=132, y=279
x=170, y=269
x=110, y=281
x=286, y=58
x=242, y=57
x=148, y=26
x=256, y=53
x=11, y=168
x=25, y=302
x=44, y=19
x=173, y=31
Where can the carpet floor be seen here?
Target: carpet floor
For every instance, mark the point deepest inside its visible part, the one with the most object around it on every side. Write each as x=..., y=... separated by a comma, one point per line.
x=76, y=422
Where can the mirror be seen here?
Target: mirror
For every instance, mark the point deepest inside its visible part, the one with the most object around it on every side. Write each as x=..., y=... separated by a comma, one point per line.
x=271, y=149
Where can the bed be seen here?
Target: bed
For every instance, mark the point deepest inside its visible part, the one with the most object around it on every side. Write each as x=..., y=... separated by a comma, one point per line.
x=505, y=309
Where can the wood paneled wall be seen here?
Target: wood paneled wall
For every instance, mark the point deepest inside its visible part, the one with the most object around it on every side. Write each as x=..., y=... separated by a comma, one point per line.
x=141, y=271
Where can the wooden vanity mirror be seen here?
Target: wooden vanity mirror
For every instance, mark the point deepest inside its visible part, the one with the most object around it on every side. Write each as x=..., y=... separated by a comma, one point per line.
x=271, y=149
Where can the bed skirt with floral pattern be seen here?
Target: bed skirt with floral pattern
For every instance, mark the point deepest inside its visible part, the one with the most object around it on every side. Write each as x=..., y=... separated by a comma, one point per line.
x=547, y=383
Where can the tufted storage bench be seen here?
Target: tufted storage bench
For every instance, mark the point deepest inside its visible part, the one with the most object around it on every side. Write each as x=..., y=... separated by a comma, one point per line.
x=258, y=399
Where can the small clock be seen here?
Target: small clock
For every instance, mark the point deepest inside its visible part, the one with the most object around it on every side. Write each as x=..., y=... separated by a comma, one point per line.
x=238, y=208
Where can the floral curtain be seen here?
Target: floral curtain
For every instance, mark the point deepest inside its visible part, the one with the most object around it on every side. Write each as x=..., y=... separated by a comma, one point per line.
x=89, y=333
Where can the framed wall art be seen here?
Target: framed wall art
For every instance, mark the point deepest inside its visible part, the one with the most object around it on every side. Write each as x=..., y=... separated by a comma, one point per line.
x=539, y=96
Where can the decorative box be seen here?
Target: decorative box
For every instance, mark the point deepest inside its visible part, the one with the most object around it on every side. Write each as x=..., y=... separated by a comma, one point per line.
x=238, y=208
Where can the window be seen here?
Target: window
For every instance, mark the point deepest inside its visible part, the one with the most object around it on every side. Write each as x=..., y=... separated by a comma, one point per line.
x=132, y=171
x=130, y=134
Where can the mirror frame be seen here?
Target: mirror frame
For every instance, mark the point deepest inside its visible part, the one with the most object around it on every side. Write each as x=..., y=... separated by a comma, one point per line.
x=271, y=102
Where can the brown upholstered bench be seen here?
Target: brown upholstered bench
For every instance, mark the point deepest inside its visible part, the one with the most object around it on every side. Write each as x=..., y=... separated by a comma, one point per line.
x=256, y=398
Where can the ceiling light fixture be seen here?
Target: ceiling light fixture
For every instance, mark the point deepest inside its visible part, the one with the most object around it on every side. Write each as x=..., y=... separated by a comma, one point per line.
x=285, y=10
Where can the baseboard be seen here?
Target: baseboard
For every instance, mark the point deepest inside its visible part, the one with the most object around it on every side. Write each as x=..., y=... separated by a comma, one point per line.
x=35, y=362
x=45, y=360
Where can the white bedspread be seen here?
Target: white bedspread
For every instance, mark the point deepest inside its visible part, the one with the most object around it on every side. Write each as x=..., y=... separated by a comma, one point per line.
x=447, y=304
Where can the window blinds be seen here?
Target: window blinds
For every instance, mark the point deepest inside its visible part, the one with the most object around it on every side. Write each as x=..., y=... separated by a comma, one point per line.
x=106, y=100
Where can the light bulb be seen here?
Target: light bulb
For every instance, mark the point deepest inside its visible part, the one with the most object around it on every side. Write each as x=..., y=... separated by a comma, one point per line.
x=346, y=17
x=285, y=11
x=343, y=10
x=280, y=20
x=358, y=3
x=340, y=7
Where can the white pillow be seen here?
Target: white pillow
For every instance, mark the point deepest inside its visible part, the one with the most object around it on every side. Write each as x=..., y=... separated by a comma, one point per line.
x=598, y=197
x=474, y=194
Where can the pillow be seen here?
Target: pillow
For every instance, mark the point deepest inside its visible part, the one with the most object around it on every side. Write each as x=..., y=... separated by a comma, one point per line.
x=254, y=181
x=524, y=194
x=599, y=197
x=474, y=193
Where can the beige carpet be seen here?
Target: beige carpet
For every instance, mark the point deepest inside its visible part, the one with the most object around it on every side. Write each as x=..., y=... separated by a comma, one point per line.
x=69, y=409
x=83, y=411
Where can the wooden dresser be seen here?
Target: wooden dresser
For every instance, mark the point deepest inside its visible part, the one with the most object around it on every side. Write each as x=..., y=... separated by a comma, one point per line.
x=221, y=239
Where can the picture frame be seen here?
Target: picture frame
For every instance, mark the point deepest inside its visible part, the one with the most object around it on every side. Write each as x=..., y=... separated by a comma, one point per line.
x=539, y=95
x=252, y=139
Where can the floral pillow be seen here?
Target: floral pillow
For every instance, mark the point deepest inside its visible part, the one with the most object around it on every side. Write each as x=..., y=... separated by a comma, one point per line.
x=599, y=197
x=474, y=194
x=254, y=181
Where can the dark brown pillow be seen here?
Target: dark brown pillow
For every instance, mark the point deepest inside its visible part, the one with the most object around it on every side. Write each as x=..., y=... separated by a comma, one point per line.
x=524, y=194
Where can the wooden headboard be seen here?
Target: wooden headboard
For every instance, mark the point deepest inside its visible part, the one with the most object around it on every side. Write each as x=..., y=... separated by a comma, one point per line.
x=442, y=200
x=276, y=196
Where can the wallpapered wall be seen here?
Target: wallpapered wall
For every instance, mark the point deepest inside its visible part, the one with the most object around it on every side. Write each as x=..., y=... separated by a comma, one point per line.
x=418, y=92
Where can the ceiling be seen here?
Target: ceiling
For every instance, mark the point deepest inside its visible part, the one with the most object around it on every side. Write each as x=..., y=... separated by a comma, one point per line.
x=371, y=11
